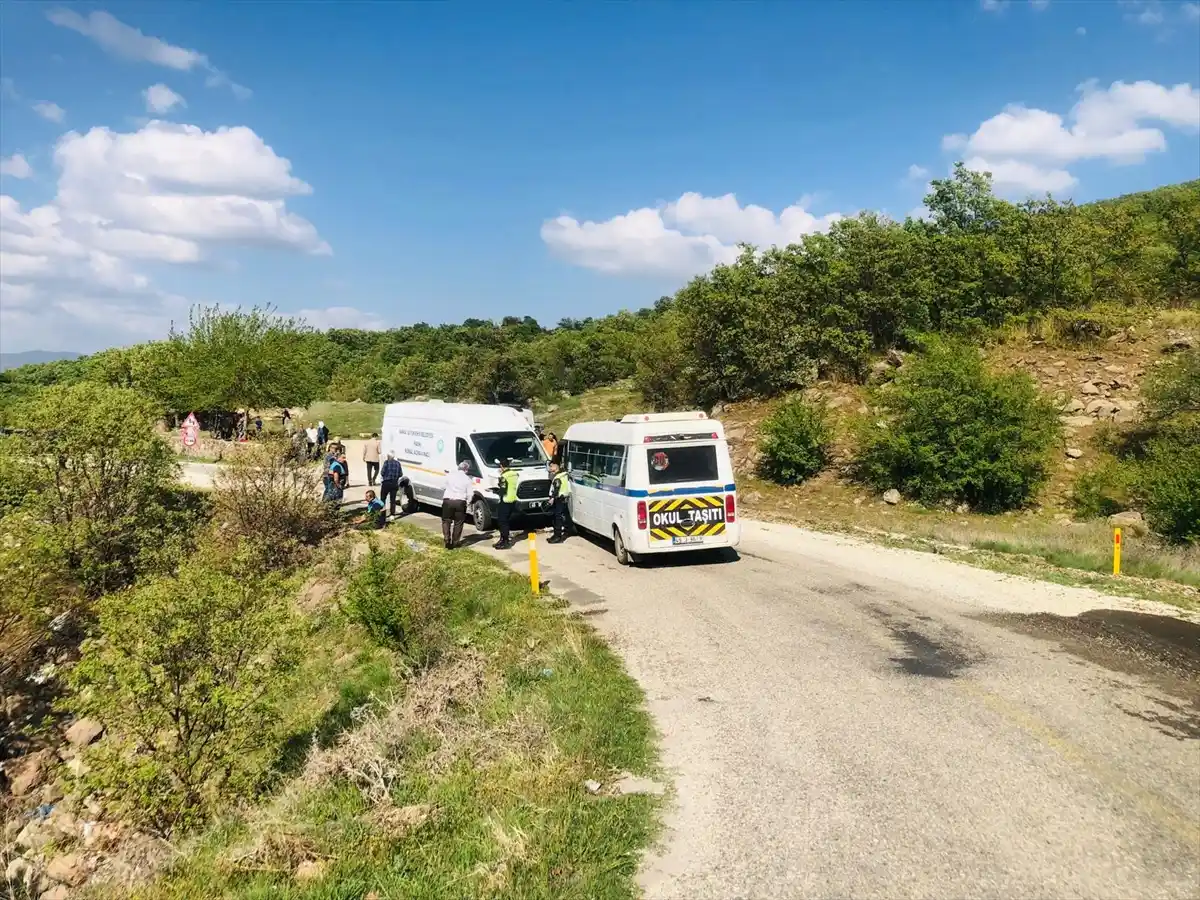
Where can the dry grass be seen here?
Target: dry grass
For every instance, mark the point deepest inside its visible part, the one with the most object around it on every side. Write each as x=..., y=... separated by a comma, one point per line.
x=368, y=755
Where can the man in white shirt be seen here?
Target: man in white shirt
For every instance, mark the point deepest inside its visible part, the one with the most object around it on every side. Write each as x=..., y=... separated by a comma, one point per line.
x=459, y=486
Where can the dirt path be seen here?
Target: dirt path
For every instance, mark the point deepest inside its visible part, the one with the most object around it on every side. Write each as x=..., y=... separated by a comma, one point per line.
x=846, y=720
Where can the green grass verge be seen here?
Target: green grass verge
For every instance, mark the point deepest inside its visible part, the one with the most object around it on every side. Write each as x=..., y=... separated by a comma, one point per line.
x=532, y=703
x=1100, y=563
x=344, y=420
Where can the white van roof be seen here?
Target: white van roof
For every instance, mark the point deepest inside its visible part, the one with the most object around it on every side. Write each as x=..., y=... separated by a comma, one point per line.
x=466, y=417
x=636, y=428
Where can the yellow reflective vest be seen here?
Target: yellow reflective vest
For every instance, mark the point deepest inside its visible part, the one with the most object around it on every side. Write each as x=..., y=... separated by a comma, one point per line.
x=508, y=485
x=562, y=485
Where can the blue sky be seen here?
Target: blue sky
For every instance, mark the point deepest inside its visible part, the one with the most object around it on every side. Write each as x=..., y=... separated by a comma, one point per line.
x=450, y=160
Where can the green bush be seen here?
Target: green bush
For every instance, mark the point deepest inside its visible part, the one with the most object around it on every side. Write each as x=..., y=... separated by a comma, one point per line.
x=33, y=587
x=97, y=475
x=402, y=600
x=795, y=442
x=1169, y=482
x=959, y=433
x=187, y=674
x=1173, y=389
x=1104, y=490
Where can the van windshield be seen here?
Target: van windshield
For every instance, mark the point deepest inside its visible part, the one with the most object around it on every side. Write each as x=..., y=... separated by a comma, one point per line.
x=676, y=465
x=522, y=447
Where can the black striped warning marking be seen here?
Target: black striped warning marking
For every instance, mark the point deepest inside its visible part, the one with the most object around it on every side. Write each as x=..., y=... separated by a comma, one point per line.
x=686, y=517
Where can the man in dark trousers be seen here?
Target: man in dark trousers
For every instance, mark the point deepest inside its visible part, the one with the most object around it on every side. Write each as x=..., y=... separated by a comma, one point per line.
x=508, y=502
x=454, y=505
x=391, y=479
x=560, y=491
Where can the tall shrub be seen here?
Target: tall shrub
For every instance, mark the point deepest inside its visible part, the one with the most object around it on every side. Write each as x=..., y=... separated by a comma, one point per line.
x=97, y=477
x=957, y=432
x=187, y=674
x=269, y=497
x=795, y=442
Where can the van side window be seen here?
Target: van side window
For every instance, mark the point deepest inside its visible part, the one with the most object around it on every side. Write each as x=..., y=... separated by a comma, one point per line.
x=597, y=464
x=462, y=453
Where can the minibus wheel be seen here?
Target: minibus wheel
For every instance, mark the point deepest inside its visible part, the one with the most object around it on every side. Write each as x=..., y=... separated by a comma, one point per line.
x=624, y=557
x=481, y=515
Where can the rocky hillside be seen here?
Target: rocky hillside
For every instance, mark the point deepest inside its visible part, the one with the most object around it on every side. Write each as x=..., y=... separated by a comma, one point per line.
x=1095, y=383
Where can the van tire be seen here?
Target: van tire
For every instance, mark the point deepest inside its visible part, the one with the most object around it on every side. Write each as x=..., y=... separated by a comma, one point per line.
x=624, y=557
x=481, y=515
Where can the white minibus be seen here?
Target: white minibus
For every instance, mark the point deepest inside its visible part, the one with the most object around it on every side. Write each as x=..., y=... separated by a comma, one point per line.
x=653, y=483
x=431, y=438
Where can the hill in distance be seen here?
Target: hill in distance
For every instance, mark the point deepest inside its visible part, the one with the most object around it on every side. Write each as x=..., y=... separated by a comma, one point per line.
x=30, y=357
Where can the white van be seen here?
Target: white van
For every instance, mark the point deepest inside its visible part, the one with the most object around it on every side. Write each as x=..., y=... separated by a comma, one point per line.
x=653, y=483
x=431, y=438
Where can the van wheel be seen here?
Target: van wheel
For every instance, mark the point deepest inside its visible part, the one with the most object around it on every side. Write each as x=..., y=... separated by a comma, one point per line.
x=624, y=557
x=481, y=515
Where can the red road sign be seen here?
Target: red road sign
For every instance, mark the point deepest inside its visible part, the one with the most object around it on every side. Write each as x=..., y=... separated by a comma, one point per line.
x=190, y=430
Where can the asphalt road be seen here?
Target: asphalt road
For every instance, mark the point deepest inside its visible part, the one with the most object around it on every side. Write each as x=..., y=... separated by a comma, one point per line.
x=844, y=720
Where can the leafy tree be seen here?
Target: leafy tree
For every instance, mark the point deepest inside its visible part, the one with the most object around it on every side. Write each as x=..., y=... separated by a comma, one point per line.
x=98, y=477
x=187, y=674
x=960, y=433
x=795, y=442
x=243, y=359
x=964, y=203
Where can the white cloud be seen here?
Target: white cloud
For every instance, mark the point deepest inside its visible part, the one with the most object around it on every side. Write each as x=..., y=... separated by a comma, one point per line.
x=1016, y=176
x=1191, y=12
x=130, y=44
x=1117, y=124
x=165, y=194
x=51, y=112
x=1144, y=12
x=992, y=5
x=1081, y=31
x=126, y=42
x=341, y=317
x=16, y=166
x=1039, y=5
x=917, y=173
x=161, y=99
x=685, y=237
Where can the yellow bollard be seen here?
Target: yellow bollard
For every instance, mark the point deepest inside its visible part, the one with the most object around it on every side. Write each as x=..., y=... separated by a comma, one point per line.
x=1116, y=551
x=534, y=584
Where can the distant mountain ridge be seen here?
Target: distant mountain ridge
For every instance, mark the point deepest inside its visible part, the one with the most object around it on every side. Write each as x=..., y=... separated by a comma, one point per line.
x=30, y=357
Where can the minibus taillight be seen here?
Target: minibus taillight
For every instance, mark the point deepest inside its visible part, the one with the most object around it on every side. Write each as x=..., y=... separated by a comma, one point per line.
x=642, y=519
x=730, y=509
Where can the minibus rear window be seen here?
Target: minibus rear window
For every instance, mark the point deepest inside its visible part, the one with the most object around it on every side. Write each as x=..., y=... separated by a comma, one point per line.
x=676, y=465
